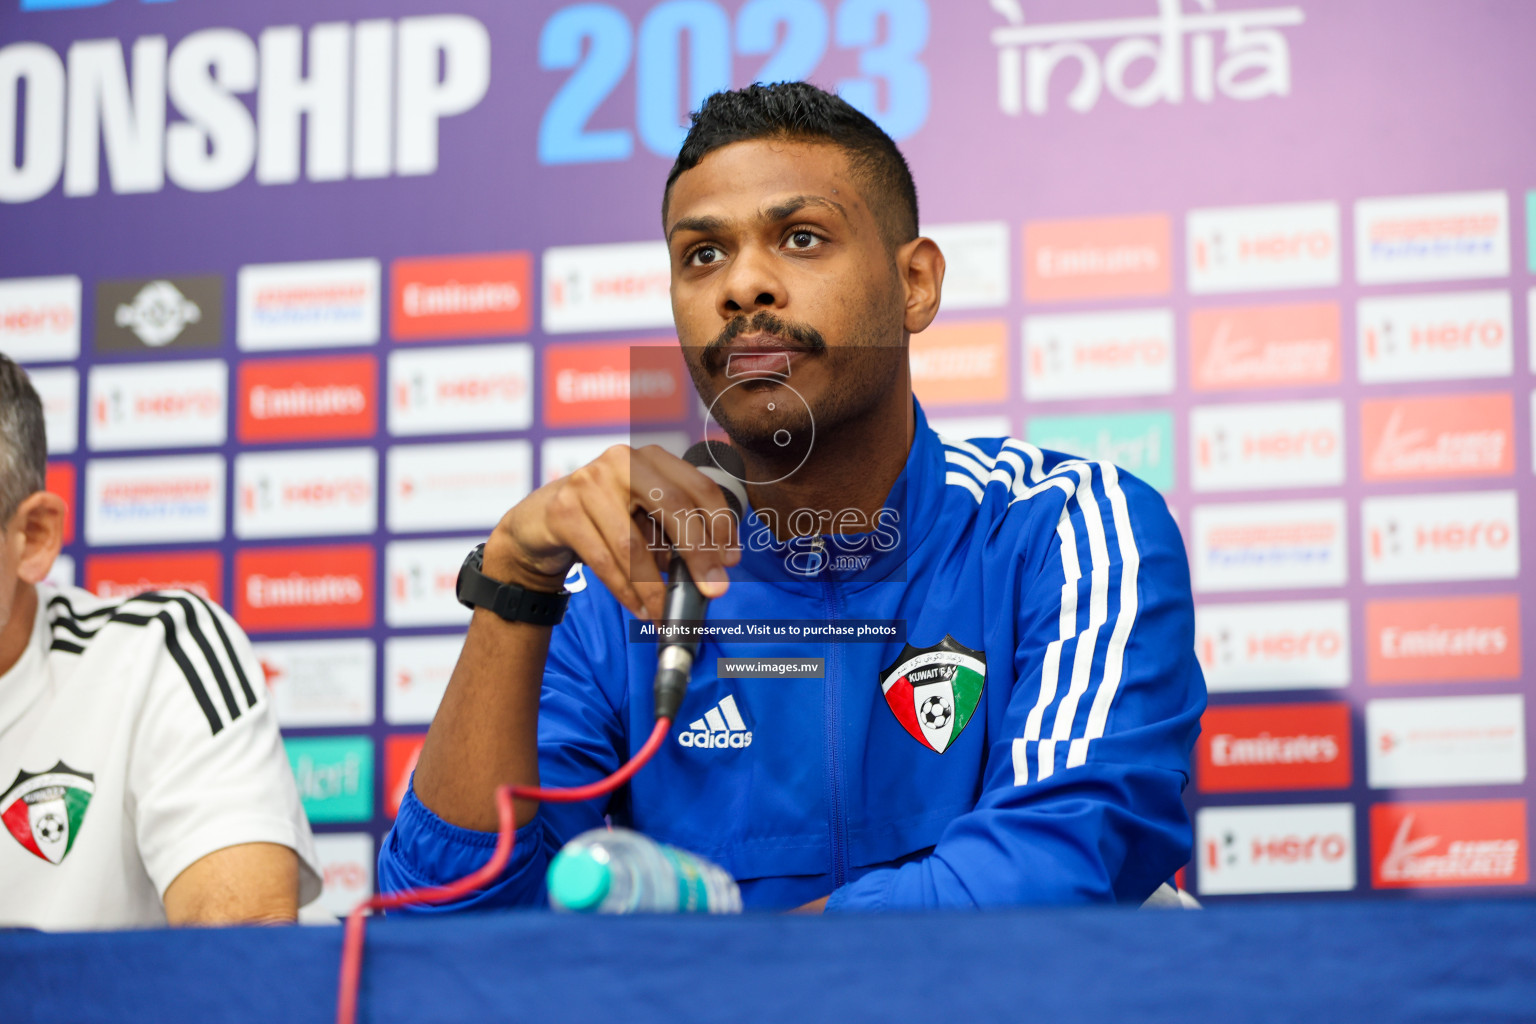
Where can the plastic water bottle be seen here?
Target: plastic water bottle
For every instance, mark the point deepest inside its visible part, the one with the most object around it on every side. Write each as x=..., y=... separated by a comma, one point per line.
x=620, y=871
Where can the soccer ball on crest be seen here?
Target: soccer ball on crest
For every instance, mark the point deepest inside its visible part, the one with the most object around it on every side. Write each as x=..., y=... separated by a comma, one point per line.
x=936, y=712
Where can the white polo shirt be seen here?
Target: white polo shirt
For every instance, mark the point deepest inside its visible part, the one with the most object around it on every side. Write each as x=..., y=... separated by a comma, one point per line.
x=135, y=738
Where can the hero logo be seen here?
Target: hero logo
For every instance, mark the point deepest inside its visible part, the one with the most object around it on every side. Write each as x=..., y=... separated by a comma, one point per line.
x=1432, y=238
x=461, y=390
x=306, y=494
x=1450, y=336
x=1094, y=355
x=1269, y=546
x=1255, y=60
x=1446, y=639
x=305, y=588
x=346, y=869
x=370, y=106
x=40, y=317
x=423, y=581
x=1455, y=843
x=1287, y=848
x=1443, y=436
x=1252, y=248
x=1264, y=346
x=1435, y=537
x=144, y=501
x=1240, y=447
x=59, y=391
x=1281, y=645
x=168, y=405
x=607, y=287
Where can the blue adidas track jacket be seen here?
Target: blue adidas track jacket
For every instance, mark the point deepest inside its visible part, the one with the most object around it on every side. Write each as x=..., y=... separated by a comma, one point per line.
x=1027, y=744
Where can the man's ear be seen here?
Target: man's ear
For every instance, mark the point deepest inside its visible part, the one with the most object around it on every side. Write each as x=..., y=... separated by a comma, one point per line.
x=921, y=265
x=40, y=521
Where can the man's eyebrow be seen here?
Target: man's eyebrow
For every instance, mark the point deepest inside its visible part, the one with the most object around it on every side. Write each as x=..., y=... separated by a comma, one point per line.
x=703, y=225
x=793, y=205
x=707, y=225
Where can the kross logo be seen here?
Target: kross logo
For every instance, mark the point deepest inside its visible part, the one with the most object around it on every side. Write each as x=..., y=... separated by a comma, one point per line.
x=1449, y=844
x=1450, y=436
x=1264, y=346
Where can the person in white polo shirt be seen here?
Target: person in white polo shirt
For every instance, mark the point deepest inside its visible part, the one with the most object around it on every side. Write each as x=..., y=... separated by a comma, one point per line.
x=142, y=778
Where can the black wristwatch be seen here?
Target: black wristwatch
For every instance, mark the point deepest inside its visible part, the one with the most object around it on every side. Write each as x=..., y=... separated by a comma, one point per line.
x=510, y=601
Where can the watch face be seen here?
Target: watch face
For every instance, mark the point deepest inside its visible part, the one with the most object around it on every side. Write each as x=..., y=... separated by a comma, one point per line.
x=468, y=573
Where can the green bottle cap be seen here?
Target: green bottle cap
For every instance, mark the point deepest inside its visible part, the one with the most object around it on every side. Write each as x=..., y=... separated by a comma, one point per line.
x=577, y=881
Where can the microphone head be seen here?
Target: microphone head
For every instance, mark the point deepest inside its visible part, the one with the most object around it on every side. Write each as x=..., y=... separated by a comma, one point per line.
x=722, y=464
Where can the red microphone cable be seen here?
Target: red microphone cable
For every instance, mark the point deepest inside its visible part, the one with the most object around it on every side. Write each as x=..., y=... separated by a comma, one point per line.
x=352, y=940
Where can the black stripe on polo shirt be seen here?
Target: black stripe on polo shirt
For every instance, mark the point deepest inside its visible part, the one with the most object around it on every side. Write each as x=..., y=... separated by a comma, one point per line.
x=198, y=638
x=218, y=627
x=179, y=656
x=114, y=613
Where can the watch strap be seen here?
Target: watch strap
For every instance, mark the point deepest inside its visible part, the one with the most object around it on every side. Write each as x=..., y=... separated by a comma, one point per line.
x=508, y=600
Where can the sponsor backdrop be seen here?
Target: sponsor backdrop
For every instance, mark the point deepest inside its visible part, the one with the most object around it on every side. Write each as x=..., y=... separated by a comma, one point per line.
x=313, y=291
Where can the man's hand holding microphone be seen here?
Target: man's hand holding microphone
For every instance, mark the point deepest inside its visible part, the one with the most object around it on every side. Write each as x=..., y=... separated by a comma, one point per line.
x=627, y=516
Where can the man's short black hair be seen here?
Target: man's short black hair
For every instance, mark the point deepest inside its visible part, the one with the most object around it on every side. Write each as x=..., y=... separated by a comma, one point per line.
x=800, y=112
x=23, y=441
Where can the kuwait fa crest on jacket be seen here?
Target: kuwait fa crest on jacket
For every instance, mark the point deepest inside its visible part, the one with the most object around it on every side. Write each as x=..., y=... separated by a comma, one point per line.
x=44, y=811
x=933, y=691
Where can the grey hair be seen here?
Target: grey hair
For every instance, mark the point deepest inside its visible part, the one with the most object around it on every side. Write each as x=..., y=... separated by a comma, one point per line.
x=23, y=439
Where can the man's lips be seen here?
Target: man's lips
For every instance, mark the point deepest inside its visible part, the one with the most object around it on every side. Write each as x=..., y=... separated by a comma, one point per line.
x=759, y=354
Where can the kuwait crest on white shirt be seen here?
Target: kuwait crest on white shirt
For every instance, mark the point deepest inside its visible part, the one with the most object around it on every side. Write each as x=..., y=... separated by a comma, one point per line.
x=43, y=810
x=934, y=691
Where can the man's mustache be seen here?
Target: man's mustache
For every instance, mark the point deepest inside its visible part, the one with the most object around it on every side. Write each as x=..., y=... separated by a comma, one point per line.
x=762, y=322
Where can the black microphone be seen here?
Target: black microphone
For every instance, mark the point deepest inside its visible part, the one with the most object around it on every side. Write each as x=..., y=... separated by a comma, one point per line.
x=685, y=605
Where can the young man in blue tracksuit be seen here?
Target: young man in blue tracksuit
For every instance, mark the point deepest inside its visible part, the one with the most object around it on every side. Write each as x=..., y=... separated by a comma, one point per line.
x=1027, y=741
